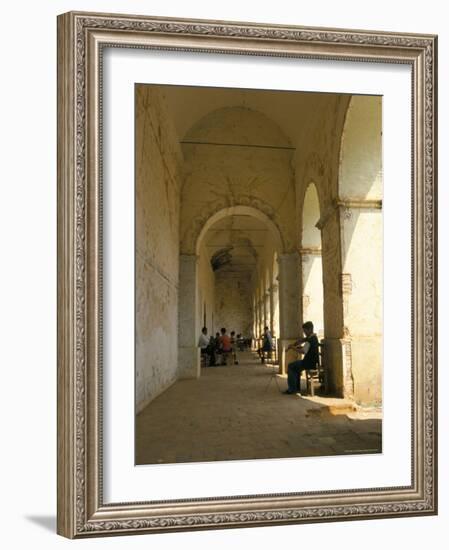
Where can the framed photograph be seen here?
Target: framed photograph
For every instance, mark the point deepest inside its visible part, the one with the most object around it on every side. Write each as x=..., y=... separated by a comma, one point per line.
x=246, y=274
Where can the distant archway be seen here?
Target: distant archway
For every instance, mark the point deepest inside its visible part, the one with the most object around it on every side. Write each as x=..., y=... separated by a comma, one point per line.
x=241, y=210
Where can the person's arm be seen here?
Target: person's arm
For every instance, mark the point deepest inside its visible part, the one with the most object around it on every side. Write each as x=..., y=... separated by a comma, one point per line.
x=296, y=345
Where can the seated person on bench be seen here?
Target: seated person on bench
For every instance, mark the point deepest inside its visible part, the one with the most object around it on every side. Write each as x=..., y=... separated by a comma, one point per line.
x=241, y=342
x=204, y=343
x=225, y=346
x=309, y=347
x=267, y=345
x=233, y=348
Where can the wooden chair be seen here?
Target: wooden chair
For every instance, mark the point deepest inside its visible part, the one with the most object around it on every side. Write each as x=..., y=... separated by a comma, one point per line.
x=317, y=375
x=204, y=359
x=272, y=356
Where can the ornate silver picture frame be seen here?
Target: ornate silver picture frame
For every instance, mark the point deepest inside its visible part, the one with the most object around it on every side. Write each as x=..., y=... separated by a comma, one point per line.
x=82, y=41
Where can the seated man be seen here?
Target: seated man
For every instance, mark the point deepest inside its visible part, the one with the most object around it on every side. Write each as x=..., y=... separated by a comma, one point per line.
x=233, y=348
x=308, y=346
x=211, y=350
x=240, y=342
x=203, y=343
x=225, y=346
x=267, y=344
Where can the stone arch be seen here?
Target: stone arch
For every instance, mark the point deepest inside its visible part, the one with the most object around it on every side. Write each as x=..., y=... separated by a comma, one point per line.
x=275, y=296
x=314, y=172
x=243, y=210
x=311, y=214
x=360, y=156
x=236, y=156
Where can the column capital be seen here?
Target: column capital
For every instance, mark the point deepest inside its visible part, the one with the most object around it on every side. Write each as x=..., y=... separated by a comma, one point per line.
x=344, y=205
x=310, y=251
x=288, y=257
x=359, y=203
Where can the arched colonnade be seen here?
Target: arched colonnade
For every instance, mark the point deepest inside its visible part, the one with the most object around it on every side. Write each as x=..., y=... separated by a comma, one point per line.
x=289, y=223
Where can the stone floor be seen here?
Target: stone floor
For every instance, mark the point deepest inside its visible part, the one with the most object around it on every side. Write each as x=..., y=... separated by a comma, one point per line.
x=238, y=412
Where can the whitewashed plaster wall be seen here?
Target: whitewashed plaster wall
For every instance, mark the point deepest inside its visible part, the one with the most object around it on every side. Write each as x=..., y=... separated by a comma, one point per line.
x=158, y=161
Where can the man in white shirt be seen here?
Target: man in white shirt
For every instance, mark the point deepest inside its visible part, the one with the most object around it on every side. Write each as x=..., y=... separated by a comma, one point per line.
x=203, y=341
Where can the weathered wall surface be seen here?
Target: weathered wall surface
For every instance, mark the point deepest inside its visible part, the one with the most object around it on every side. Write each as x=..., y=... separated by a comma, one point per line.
x=233, y=304
x=157, y=246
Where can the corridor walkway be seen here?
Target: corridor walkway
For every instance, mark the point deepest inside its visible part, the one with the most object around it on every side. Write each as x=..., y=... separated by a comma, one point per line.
x=238, y=412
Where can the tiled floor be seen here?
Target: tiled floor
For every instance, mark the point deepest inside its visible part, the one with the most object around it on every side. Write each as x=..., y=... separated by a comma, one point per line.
x=238, y=412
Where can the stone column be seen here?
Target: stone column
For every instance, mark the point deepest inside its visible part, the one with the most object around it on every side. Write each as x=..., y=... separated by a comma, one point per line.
x=275, y=298
x=352, y=274
x=334, y=347
x=361, y=289
x=266, y=309
x=261, y=316
x=255, y=322
x=271, y=299
x=189, y=353
x=289, y=285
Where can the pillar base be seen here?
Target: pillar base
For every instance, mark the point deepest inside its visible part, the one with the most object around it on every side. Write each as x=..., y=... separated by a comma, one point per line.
x=338, y=362
x=189, y=359
x=285, y=357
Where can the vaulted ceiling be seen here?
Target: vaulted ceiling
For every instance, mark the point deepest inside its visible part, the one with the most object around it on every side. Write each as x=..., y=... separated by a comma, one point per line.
x=294, y=112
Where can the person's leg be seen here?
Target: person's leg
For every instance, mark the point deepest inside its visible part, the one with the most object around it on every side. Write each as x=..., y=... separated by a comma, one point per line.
x=293, y=370
x=212, y=357
x=299, y=378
